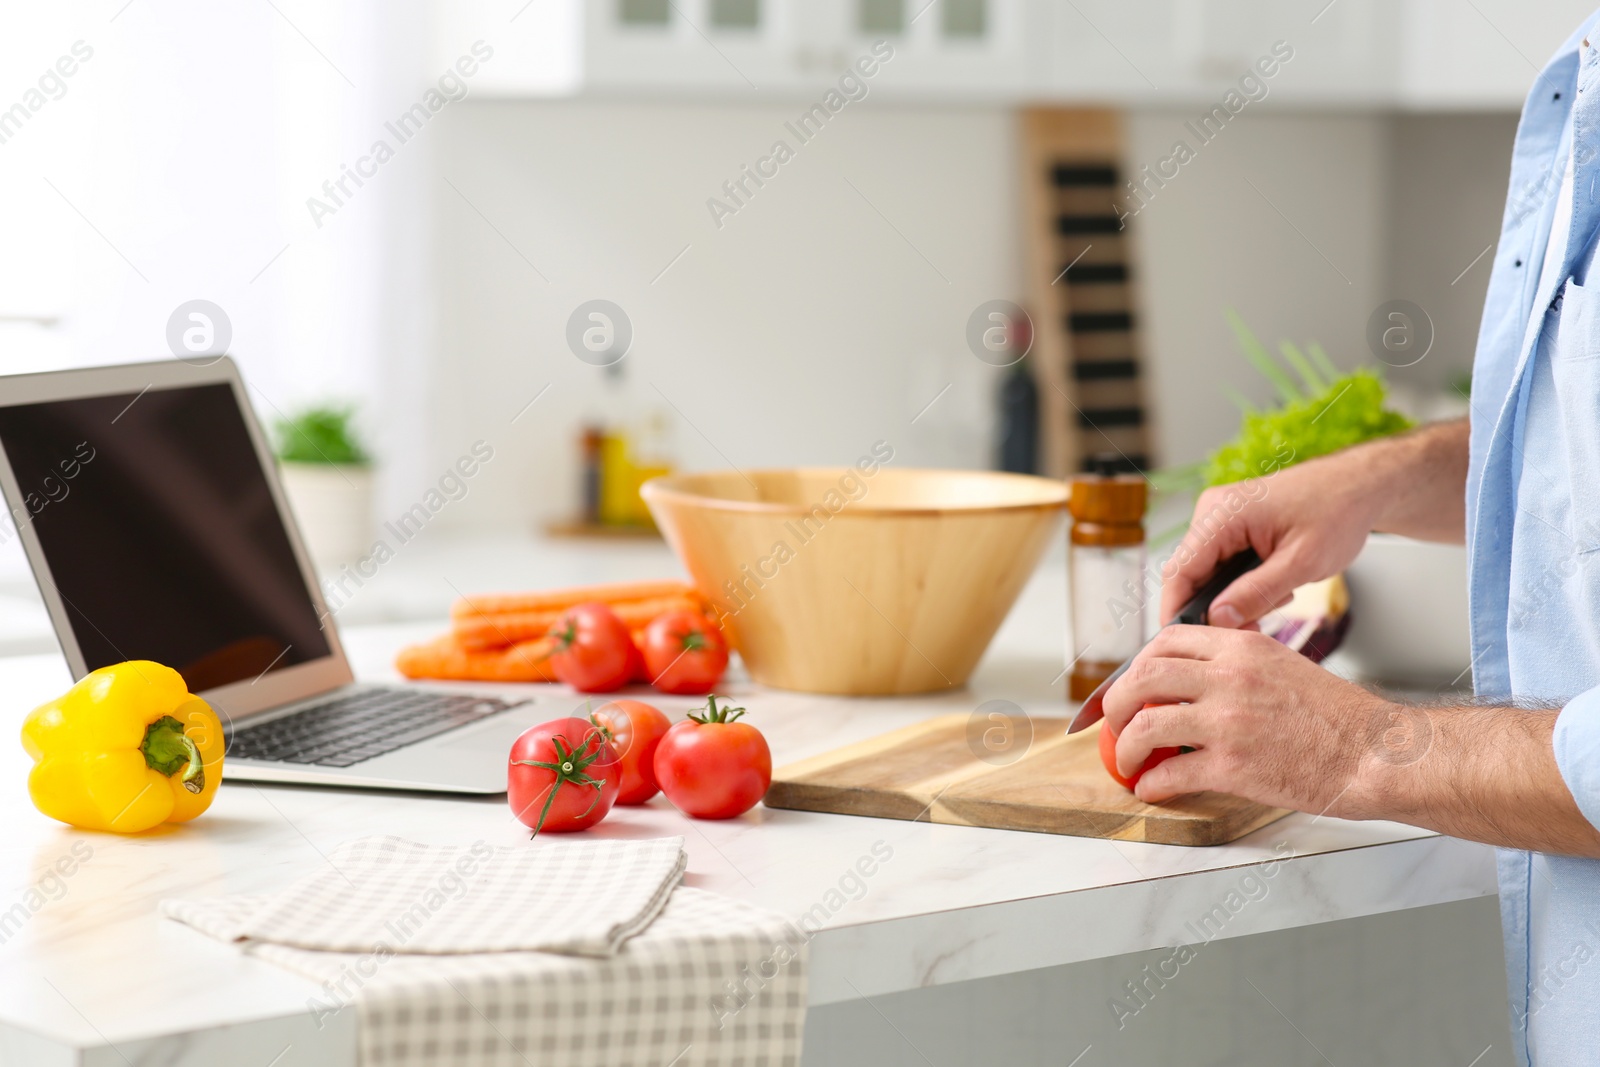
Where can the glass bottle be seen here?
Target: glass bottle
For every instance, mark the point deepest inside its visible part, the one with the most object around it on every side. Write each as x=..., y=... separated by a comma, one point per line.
x=1106, y=573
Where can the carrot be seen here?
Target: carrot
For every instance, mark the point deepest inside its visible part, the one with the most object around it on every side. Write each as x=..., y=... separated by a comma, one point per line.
x=556, y=600
x=444, y=658
x=502, y=637
x=503, y=629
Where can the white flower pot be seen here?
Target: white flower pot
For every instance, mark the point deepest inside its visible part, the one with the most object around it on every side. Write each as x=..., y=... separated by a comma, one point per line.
x=333, y=505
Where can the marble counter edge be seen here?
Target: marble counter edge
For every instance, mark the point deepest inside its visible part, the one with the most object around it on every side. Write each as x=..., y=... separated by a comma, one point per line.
x=874, y=958
x=266, y=1039
x=889, y=956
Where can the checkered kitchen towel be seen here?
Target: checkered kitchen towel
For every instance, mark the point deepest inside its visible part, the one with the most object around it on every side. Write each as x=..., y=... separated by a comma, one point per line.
x=712, y=982
x=580, y=897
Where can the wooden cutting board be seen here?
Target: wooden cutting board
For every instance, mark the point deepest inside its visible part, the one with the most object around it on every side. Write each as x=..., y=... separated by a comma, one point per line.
x=1054, y=784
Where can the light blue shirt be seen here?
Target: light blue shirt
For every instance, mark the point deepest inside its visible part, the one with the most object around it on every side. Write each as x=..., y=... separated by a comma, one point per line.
x=1533, y=533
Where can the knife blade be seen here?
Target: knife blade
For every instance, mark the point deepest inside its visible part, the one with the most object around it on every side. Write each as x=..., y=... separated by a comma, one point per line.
x=1194, y=613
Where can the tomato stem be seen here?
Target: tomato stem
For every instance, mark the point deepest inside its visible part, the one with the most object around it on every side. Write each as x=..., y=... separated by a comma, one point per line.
x=569, y=767
x=565, y=636
x=606, y=732
x=714, y=714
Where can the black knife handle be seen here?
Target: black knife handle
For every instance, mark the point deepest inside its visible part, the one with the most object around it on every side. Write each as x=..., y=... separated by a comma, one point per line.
x=1195, y=612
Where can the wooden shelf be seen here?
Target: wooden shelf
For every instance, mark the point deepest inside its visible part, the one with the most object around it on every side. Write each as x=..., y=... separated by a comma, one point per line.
x=590, y=529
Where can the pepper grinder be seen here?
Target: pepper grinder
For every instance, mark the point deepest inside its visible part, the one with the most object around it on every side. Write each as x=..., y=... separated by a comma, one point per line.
x=1106, y=572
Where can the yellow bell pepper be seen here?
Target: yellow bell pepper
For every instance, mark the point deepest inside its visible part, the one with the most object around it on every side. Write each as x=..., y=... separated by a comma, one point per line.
x=127, y=748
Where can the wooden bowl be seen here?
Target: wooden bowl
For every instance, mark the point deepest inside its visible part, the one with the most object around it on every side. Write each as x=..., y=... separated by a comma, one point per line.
x=834, y=580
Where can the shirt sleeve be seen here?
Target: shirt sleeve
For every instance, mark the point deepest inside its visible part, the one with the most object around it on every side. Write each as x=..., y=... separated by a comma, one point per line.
x=1577, y=747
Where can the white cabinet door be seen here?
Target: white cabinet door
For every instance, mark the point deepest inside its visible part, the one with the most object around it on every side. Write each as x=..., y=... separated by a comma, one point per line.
x=1117, y=50
x=734, y=48
x=1483, y=54
x=1197, y=51
x=1343, y=52
x=961, y=49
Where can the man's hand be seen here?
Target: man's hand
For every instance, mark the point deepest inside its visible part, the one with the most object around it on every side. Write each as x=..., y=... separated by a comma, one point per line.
x=1269, y=725
x=1310, y=520
x=1265, y=722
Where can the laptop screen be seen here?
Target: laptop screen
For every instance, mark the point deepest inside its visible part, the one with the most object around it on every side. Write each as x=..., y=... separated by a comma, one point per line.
x=161, y=533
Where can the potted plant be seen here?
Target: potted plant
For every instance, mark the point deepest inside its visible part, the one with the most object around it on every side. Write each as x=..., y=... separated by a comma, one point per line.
x=327, y=475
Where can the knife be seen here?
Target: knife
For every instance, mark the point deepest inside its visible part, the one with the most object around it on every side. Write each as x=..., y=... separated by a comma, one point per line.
x=1194, y=613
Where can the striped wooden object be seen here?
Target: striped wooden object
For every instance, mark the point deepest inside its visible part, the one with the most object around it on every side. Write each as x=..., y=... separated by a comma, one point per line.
x=1081, y=287
x=1054, y=784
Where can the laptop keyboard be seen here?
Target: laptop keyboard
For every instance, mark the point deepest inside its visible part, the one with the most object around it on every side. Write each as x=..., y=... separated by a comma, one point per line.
x=347, y=730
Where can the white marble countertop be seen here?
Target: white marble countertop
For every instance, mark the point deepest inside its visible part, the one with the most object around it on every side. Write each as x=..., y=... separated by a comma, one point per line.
x=86, y=964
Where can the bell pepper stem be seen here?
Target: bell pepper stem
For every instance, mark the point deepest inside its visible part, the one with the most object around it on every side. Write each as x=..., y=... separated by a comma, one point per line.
x=194, y=775
x=167, y=748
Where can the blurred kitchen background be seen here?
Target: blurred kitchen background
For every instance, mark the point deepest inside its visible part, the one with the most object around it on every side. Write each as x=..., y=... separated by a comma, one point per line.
x=197, y=153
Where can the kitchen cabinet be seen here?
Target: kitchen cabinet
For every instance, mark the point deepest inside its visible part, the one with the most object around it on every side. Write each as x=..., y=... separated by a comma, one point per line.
x=1347, y=56
x=1404, y=54
x=1479, y=55
x=742, y=50
x=745, y=47
x=1109, y=50
x=1193, y=52
x=731, y=47
x=967, y=49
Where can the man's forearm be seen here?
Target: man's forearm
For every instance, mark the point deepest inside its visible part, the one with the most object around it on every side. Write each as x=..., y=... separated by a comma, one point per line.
x=1483, y=773
x=1420, y=480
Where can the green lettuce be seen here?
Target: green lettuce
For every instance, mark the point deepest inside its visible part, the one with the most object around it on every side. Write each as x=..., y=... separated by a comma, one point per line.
x=1322, y=412
x=1347, y=412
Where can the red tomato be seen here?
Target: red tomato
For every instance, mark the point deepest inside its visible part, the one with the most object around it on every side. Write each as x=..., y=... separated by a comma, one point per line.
x=684, y=652
x=552, y=783
x=637, y=671
x=636, y=729
x=712, y=767
x=1108, y=756
x=593, y=652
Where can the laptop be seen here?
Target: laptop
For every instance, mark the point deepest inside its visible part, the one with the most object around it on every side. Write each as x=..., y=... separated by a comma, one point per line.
x=147, y=501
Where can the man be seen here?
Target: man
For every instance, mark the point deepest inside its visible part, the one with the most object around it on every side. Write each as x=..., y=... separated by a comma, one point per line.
x=1519, y=767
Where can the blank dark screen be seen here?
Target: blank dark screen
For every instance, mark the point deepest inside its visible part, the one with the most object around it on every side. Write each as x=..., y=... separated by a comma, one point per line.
x=161, y=533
